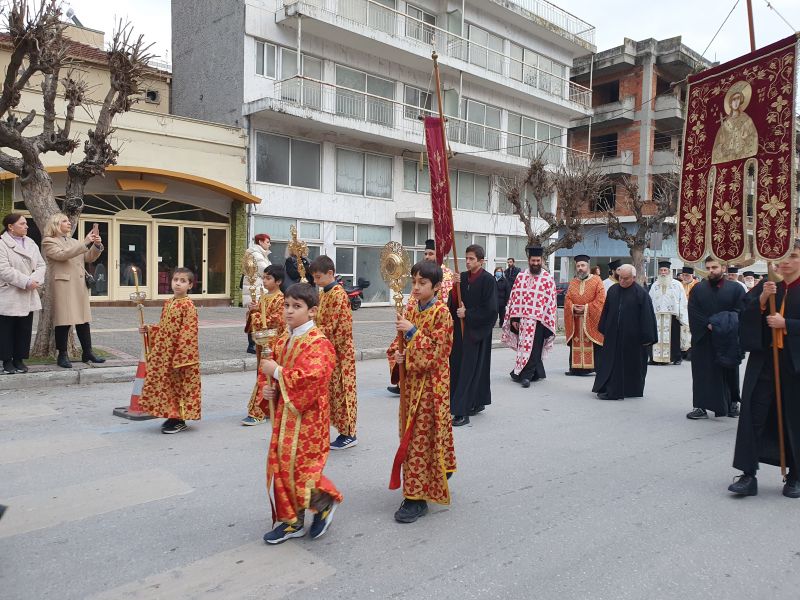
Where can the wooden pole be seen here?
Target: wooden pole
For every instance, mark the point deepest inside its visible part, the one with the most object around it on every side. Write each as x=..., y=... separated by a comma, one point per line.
x=457, y=278
x=750, y=25
x=776, y=373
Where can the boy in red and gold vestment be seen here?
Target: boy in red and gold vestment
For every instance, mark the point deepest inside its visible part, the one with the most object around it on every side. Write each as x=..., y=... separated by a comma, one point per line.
x=426, y=451
x=336, y=322
x=266, y=314
x=298, y=449
x=172, y=384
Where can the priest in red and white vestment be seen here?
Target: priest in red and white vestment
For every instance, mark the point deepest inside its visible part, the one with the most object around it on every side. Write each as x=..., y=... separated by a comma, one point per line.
x=530, y=323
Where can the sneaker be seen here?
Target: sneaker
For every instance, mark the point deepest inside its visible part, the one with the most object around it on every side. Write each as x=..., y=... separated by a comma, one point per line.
x=173, y=426
x=20, y=366
x=745, y=485
x=250, y=421
x=460, y=421
x=410, y=510
x=322, y=520
x=8, y=367
x=342, y=442
x=697, y=413
x=284, y=532
x=734, y=411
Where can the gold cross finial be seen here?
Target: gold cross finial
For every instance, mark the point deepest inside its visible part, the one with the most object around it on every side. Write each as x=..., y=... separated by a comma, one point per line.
x=299, y=249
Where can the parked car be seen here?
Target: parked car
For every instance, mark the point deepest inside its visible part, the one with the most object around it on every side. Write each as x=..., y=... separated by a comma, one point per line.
x=561, y=292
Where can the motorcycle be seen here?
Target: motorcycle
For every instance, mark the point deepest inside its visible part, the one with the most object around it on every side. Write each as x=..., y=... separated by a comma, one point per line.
x=356, y=292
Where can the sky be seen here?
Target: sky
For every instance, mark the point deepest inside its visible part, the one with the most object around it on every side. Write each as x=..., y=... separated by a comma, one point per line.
x=695, y=20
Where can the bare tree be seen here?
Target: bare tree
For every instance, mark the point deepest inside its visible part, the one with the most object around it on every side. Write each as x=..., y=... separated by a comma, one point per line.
x=577, y=184
x=650, y=216
x=40, y=51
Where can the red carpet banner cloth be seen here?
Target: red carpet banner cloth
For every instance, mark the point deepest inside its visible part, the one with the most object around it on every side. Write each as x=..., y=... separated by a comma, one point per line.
x=738, y=172
x=440, y=192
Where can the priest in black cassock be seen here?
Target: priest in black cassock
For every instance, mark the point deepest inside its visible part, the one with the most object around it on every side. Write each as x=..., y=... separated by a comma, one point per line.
x=628, y=325
x=471, y=356
x=757, y=436
x=715, y=386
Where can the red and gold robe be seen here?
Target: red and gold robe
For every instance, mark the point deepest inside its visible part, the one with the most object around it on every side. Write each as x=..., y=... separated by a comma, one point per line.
x=581, y=330
x=172, y=384
x=267, y=315
x=336, y=322
x=300, y=440
x=426, y=452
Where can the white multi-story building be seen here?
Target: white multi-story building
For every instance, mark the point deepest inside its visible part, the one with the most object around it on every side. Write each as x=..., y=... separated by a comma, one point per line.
x=332, y=91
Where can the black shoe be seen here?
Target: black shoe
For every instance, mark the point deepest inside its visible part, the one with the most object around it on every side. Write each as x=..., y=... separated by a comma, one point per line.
x=89, y=357
x=251, y=348
x=476, y=410
x=2, y=510
x=791, y=488
x=570, y=373
x=63, y=360
x=677, y=362
x=284, y=532
x=410, y=511
x=514, y=376
x=526, y=383
x=745, y=485
x=697, y=413
x=395, y=389
x=459, y=421
x=322, y=520
x=8, y=367
x=173, y=426
x=605, y=396
x=734, y=411
x=20, y=366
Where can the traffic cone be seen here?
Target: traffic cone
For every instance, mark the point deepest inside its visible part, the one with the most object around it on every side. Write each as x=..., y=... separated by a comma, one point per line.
x=134, y=411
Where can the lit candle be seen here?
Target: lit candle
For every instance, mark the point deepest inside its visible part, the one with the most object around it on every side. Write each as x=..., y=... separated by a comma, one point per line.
x=135, y=278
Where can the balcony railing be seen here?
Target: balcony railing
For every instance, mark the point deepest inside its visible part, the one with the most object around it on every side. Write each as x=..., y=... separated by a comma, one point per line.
x=559, y=17
x=376, y=16
x=363, y=107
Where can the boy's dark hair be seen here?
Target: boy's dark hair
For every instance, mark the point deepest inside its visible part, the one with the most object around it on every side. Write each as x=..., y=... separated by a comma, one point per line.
x=427, y=269
x=188, y=272
x=277, y=272
x=322, y=264
x=304, y=292
x=477, y=250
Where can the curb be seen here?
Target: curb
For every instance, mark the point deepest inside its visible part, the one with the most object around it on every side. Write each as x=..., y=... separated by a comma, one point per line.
x=89, y=376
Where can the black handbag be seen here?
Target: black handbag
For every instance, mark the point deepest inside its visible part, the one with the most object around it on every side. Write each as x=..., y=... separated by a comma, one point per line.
x=89, y=279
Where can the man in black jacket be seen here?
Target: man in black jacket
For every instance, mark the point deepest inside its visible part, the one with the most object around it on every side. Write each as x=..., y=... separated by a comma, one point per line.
x=471, y=356
x=714, y=387
x=511, y=273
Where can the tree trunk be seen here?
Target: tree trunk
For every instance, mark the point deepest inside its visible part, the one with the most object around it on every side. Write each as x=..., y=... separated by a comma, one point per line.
x=37, y=192
x=637, y=255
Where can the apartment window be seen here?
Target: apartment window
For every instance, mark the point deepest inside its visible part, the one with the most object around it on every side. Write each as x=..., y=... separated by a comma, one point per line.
x=265, y=59
x=605, y=93
x=604, y=146
x=421, y=24
x=662, y=141
x=534, y=139
x=287, y=161
x=363, y=174
x=606, y=201
x=414, y=179
x=305, y=91
x=418, y=102
x=485, y=49
x=537, y=70
x=483, y=125
x=472, y=192
x=351, y=103
x=504, y=206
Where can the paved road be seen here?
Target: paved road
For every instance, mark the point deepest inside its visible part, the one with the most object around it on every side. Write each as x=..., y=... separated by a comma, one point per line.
x=558, y=495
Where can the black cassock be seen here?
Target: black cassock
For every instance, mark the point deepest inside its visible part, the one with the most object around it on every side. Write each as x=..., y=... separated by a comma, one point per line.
x=628, y=325
x=757, y=436
x=714, y=387
x=471, y=357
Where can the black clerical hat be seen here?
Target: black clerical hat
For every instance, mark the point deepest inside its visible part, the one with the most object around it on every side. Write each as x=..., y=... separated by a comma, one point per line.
x=614, y=265
x=430, y=244
x=582, y=258
x=534, y=250
x=733, y=269
x=749, y=274
x=688, y=270
x=664, y=264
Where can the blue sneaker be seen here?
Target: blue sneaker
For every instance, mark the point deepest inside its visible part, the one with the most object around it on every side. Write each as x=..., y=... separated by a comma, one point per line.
x=342, y=442
x=322, y=520
x=250, y=421
x=284, y=532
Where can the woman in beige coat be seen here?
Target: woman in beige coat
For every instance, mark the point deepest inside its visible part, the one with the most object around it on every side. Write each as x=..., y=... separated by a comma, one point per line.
x=22, y=271
x=66, y=276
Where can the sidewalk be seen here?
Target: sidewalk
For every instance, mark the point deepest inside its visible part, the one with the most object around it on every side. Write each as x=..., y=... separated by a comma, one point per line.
x=222, y=345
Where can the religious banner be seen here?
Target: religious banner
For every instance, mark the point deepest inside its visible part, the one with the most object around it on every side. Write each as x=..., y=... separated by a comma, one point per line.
x=738, y=174
x=440, y=189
